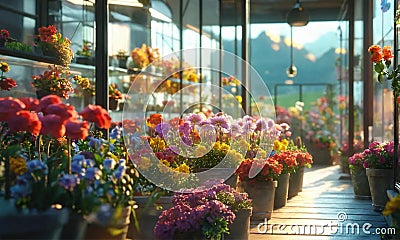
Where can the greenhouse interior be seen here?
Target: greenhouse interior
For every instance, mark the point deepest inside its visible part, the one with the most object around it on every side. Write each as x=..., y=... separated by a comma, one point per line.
x=199, y=119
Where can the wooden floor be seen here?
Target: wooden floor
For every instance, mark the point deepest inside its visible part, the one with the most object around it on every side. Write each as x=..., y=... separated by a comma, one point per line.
x=325, y=209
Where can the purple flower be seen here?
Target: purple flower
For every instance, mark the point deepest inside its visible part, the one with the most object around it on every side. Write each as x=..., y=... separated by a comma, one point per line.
x=162, y=128
x=185, y=129
x=261, y=124
x=194, y=118
x=219, y=121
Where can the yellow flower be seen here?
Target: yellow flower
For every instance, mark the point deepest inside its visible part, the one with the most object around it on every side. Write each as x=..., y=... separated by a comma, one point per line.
x=18, y=165
x=183, y=168
x=4, y=67
x=200, y=151
x=239, y=99
x=165, y=162
x=262, y=154
x=216, y=145
x=157, y=144
x=224, y=147
x=392, y=206
x=285, y=142
x=277, y=145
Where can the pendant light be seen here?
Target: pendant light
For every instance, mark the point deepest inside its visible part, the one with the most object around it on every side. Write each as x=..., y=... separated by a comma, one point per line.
x=298, y=16
x=292, y=70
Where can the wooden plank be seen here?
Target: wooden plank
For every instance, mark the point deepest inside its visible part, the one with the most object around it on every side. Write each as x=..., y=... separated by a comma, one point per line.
x=352, y=211
x=329, y=216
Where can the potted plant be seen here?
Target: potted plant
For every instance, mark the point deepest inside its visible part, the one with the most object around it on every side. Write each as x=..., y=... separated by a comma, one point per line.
x=115, y=96
x=141, y=57
x=359, y=176
x=84, y=88
x=55, y=80
x=378, y=163
x=261, y=188
x=210, y=210
x=345, y=154
x=6, y=83
x=85, y=54
x=53, y=44
x=36, y=154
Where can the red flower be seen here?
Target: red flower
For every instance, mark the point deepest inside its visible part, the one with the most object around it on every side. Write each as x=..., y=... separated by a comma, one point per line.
x=47, y=100
x=8, y=108
x=65, y=111
x=97, y=115
x=4, y=34
x=52, y=125
x=25, y=121
x=387, y=53
x=76, y=129
x=7, y=84
x=154, y=120
x=31, y=104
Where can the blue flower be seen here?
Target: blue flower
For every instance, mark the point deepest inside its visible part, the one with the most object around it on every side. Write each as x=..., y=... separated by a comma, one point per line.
x=120, y=172
x=109, y=163
x=385, y=5
x=36, y=165
x=22, y=188
x=92, y=173
x=78, y=158
x=68, y=181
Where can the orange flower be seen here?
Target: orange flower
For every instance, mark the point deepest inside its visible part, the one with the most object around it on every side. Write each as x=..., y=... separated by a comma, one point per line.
x=154, y=120
x=376, y=54
x=387, y=53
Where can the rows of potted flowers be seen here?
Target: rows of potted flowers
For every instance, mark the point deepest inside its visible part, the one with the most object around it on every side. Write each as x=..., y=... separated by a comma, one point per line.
x=239, y=143
x=56, y=173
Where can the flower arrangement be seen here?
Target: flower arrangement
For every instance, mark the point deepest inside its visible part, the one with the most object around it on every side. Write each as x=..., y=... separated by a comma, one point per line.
x=36, y=152
x=379, y=155
x=207, y=210
x=52, y=41
x=6, y=83
x=55, y=80
x=144, y=56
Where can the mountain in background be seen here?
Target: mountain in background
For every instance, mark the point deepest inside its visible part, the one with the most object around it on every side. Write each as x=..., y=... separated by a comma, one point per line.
x=315, y=62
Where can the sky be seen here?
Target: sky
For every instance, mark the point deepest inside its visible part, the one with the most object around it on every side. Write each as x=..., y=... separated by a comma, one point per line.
x=301, y=35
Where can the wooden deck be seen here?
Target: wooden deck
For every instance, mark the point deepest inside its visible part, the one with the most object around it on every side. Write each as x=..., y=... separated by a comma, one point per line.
x=314, y=213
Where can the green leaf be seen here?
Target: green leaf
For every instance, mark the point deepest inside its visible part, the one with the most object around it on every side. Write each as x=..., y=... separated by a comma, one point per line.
x=380, y=78
x=379, y=67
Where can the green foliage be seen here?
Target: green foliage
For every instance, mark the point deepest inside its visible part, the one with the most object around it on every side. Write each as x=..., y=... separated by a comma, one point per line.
x=18, y=46
x=216, y=229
